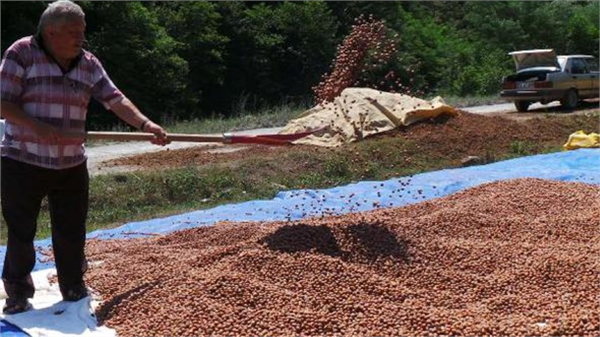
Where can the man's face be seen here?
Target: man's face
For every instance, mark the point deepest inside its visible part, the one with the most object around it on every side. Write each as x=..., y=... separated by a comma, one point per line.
x=66, y=39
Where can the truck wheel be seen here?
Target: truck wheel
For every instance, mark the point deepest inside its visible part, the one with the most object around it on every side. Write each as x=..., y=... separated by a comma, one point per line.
x=522, y=105
x=570, y=100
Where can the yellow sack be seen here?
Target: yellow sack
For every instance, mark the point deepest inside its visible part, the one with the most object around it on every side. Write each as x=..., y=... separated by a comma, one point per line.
x=579, y=139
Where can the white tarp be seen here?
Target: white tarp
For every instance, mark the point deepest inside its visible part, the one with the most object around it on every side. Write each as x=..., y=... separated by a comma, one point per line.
x=53, y=317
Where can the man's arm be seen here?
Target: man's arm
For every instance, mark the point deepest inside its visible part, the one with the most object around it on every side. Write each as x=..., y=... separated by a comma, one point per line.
x=13, y=113
x=129, y=113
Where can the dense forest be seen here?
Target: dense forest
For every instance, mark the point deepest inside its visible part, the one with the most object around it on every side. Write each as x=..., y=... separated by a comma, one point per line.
x=192, y=59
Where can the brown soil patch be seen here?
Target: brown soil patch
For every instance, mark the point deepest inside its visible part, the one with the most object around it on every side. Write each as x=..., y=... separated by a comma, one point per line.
x=472, y=134
x=451, y=138
x=194, y=156
x=516, y=258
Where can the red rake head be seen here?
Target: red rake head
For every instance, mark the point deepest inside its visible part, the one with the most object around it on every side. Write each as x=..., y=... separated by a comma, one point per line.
x=273, y=139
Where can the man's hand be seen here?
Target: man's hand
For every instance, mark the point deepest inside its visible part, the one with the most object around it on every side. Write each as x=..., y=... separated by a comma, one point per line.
x=128, y=112
x=160, y=136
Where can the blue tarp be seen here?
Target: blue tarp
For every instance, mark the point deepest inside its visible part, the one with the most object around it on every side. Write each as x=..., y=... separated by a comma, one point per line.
x=9, y=330
x=581, y=165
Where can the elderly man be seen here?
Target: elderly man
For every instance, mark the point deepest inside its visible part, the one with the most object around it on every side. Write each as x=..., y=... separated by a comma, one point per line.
x=46, y=84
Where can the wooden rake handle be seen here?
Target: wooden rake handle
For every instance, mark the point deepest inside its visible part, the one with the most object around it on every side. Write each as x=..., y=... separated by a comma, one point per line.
x=226, y=138
x=141, y=136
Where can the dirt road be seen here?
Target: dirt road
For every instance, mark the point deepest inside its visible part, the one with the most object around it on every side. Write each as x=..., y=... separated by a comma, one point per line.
x=535, y=110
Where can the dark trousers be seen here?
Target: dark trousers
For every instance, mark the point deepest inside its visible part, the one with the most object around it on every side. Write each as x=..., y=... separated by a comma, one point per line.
x=23, y=188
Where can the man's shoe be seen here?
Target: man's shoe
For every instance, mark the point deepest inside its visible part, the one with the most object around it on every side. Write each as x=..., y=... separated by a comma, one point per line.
x=16, y=306
x=75, y=294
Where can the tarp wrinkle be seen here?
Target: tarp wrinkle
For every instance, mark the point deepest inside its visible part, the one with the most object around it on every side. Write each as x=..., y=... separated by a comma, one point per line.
x=361, y=112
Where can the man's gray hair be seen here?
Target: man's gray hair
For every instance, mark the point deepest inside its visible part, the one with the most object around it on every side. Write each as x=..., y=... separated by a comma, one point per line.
x=58, y=12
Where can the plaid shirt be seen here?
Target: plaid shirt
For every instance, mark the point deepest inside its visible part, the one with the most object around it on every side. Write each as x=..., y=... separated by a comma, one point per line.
x=31, y=78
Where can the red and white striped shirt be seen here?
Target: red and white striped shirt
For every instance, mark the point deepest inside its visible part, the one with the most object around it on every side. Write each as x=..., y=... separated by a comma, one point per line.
x=30, y=78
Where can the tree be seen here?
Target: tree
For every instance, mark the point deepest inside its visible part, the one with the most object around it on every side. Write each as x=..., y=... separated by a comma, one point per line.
x=189, y=59
x=19, y=19
x=139, y=56
x=346, y=12
x=276, y=50
x=195, y=26
x=582, y=31
x=309, y=32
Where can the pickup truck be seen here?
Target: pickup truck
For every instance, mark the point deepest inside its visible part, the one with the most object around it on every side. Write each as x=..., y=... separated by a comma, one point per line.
x=542, y=76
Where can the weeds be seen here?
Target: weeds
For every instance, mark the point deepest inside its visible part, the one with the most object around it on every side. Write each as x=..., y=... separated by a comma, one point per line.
x=521, y=148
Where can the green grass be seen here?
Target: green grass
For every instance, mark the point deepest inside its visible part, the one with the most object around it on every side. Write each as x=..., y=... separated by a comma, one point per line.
x=521, y=148
x=242, y=120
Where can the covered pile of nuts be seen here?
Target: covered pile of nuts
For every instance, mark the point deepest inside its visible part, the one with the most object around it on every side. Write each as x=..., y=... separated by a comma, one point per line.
x=517, y=257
